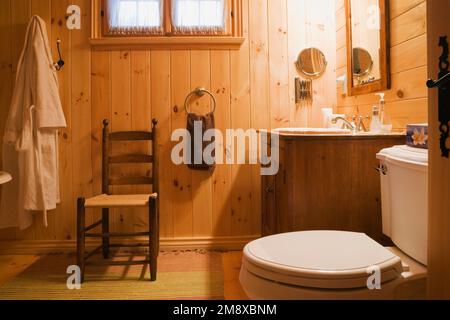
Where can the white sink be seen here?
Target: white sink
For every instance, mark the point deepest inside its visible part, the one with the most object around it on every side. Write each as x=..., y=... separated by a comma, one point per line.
x=5, y=177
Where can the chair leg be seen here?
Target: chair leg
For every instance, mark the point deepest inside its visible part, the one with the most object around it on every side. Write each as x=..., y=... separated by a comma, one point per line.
x=153, y=240
x=81, y=214
x=157, y=227
x=105, y=229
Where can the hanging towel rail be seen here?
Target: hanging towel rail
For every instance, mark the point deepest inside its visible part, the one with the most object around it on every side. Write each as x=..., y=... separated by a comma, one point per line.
x=200, y=92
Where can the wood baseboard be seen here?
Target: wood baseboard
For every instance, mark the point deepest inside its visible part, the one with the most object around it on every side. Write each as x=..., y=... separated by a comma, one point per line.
x=24, y=247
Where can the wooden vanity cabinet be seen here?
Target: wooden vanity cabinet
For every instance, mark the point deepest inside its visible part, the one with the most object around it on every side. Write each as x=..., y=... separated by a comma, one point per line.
x=326, y=183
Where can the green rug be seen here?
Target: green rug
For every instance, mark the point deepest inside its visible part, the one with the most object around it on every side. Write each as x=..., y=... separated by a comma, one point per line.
x=184, y=275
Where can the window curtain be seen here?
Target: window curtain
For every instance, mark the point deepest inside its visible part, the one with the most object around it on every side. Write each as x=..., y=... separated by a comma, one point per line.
x=199, y=16
x=135, y=17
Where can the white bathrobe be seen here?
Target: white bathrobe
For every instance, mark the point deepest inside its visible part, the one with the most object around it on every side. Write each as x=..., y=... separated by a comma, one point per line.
x=30, y=144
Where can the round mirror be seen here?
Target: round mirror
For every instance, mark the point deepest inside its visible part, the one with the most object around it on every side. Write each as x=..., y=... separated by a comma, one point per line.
x=311, y=63
x=362, y=62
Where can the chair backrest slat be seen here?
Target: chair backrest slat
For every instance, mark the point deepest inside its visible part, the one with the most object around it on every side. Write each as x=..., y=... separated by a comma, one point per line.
x=131, y=158
x=139, y=159
x=131, y=136
x=130, y=181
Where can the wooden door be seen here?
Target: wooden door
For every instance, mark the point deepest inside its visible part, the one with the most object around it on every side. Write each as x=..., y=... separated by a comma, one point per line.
x=438, y=12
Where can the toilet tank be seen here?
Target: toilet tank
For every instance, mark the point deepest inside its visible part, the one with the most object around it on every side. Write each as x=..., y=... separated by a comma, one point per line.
x=404, y=193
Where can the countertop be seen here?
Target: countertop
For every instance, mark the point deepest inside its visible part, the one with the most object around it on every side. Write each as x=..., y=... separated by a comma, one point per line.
x=290, y=135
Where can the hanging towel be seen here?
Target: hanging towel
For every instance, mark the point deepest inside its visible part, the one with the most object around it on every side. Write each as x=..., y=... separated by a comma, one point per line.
x=198, y=146
x=30, y=143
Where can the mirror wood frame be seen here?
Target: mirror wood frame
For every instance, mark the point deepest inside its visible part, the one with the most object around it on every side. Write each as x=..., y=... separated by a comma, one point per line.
x=385, y=82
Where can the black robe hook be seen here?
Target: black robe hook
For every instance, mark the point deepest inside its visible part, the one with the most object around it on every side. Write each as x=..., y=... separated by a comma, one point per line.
x=60, y=64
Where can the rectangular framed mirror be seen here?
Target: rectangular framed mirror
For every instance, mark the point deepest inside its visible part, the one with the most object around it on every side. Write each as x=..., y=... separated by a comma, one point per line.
x=368, y=48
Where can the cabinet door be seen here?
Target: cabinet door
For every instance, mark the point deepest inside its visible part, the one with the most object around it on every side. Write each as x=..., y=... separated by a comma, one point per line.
x=269, y=219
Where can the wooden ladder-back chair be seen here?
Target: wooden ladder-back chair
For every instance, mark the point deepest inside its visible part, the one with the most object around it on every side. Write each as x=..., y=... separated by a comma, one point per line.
x=108, y=201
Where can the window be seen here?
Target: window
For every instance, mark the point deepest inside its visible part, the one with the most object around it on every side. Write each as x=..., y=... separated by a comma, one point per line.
x=134, y=17
x=167, y=24
x=198, y=16
x=146, y=17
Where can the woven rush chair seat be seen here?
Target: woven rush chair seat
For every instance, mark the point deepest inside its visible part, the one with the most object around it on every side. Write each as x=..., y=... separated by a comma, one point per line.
x=120, y=201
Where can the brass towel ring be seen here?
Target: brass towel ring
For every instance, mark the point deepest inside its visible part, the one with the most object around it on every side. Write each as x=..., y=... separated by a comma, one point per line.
x=199, y=92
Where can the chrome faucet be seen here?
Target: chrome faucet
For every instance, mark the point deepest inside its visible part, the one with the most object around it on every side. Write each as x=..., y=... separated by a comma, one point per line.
x=347, y=124
x=359, y=122
x=356, y=126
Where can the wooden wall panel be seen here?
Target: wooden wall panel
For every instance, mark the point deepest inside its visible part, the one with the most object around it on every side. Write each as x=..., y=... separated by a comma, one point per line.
x=100, y=110
x=81, y=110
x=220, y=86
x=65, y=222
x=120, y=121
x=253, y=88
x=160, y=99
x=141, y=120
x=279, y=63
x=311, y=26
x=259, y=95
x=6, y=79
x=43, y=8
x=240, y=118
x=201, y=181
x=297, y=42
x=20, y=14
x=406, y=101
x=181, y=189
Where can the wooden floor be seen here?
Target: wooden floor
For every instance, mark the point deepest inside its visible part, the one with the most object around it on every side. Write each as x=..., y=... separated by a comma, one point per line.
x=10, y=266
x=231, y=267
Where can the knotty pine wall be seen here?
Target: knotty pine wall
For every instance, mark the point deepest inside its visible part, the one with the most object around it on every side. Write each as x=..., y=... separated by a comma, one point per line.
x=407, y=101
x=254, y=88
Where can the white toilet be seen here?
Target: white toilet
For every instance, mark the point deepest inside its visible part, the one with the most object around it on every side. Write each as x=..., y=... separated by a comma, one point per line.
x=340, y=265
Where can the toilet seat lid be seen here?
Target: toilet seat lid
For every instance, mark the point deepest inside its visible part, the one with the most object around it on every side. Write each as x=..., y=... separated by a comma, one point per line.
x=405, y=153
x=323, y=259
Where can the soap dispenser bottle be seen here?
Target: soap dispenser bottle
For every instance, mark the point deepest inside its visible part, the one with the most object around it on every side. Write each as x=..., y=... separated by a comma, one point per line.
x=381, y=106
x=375, y=124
